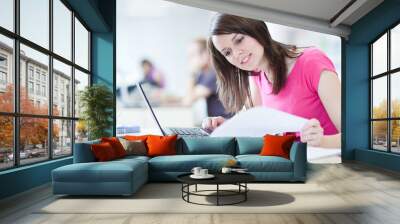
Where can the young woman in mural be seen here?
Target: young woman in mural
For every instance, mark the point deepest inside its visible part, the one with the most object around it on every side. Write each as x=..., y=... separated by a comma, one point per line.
x=255, y=70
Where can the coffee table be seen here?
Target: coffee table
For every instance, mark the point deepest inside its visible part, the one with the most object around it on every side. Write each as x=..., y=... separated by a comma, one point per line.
x=238, y=179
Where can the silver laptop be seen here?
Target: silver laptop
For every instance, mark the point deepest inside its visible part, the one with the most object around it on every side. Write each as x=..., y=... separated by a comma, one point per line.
x=189, y=132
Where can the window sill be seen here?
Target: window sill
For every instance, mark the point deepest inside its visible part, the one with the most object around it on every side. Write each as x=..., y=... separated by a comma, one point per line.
x=25, y=167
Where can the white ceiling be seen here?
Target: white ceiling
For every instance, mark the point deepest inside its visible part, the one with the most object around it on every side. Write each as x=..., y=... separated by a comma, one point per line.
x=325, y=16
x=320, y=9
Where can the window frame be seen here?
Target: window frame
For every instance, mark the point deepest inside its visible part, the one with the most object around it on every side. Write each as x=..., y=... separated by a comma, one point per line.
x=15, y=71
x=388, y=74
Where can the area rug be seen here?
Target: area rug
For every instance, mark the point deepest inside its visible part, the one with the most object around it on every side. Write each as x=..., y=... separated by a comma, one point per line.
x=167, y=198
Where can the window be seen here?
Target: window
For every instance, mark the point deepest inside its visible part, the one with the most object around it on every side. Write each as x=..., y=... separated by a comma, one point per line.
x=33, y=149
x=7, y=14
x=395, y=47
x=55, y=102
x=81, y=81
x=40, y=83
x=3, y=72
x=30, y=72
x=62, y=29
x=43, y=77
x=44, y=91
x=30, y=87
x=6, y=142
x=62, y=74
x=385, y=91
x=6, y=74
x=35, y=21
x=3, y=78
x=62, y=137
x=37, y=75
x=38, y=89
x=3, y=61
x=81, y=45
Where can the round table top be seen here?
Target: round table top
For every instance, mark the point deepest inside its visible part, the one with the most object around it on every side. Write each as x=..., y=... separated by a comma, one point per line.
x=220, y=178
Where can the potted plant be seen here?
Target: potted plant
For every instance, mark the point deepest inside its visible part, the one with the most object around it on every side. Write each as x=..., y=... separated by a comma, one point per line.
x=96, y=103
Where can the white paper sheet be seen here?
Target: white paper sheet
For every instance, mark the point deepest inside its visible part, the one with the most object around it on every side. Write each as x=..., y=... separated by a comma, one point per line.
x=258, y=121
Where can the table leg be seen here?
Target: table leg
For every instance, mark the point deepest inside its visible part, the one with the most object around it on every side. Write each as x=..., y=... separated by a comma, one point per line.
x=196, y=188
x=245, y=193
x=188, y=190
x=182, y=190
x=217, y=194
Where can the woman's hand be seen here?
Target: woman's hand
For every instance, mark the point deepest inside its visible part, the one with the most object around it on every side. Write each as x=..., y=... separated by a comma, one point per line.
x=211, y=123
x=312, y=133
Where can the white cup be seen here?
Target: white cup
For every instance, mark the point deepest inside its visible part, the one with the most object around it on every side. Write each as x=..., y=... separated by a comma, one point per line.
x=226, y=170
x=203, y=172
x=196, y=171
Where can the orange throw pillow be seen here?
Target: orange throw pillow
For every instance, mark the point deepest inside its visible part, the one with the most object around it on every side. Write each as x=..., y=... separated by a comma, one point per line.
x=103, y=152
x=136, y=137
x=277, y=145
x=116, y=145
x=161, y=145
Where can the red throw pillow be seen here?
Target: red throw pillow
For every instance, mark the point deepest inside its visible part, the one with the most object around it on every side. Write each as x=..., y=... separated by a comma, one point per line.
x=116, y=145
x=103, y=151
x=277, y=145
x=161, y=145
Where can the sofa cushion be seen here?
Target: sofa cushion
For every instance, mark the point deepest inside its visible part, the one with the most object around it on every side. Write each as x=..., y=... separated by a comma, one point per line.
x=257, y=163
x=103, y=152
x=185, y=163
x=161, y=145
x=132, y=158
x=206, y=145
x=112, y=171
x=134, y=147
x=249, y=145
x=136, y=137
x=277, y=145
x=116, y=145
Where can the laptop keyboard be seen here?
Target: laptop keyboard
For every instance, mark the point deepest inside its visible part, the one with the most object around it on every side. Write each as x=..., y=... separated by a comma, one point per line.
x=189, y=131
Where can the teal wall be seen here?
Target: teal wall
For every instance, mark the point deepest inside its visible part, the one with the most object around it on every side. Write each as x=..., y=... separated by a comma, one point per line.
x=24, y=178
x=356, y=83
x=104, y=53
x=99, y=16
x=103, y=65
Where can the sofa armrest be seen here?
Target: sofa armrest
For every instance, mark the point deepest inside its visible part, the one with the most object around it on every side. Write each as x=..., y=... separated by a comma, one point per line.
x=83, y=152
x=298, y=155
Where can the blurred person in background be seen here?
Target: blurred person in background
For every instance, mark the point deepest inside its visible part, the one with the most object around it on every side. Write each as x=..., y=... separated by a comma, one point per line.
x=203, y=81
x=255, y=70
x=151, y=75
x=153, y=83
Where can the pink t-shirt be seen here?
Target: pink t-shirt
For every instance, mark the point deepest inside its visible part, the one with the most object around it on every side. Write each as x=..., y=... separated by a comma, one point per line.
x=299, y=96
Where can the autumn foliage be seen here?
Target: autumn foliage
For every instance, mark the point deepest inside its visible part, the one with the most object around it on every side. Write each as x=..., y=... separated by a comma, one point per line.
x=33, y=131
x=380, y=127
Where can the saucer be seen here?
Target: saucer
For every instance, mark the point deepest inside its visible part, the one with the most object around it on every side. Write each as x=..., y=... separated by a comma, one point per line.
x=208, y=176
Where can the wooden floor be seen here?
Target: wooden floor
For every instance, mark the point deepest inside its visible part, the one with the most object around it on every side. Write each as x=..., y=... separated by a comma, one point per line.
x=379, y=189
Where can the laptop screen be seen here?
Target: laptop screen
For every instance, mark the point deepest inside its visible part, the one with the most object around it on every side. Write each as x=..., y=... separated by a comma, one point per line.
x=150, y=108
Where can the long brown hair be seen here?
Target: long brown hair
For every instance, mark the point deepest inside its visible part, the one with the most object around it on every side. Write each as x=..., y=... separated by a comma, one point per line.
x=232, y=82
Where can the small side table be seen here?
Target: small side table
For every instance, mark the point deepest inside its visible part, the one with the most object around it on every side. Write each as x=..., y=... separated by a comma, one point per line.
x=238, y=179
